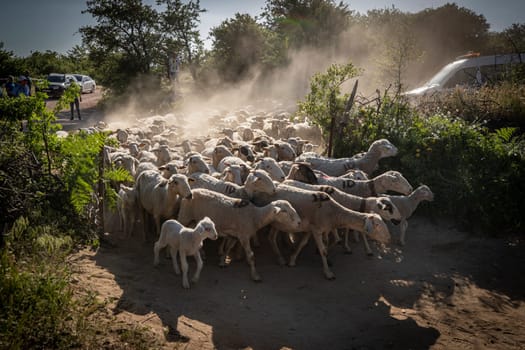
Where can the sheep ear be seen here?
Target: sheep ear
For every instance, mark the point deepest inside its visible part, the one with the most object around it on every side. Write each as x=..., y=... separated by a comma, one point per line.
x=277, y=210
x=191, y=179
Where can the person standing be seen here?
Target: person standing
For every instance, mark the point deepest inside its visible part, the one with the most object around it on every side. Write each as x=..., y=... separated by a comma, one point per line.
x=29, y=82
x=10, y=86
x=22, y=88
x=76, y=101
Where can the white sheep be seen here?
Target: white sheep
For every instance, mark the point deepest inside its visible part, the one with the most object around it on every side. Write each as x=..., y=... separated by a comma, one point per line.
x=280, y=151
x=219, y=152
x=271, y=166
x=196, y=164
x=256, y=181
x=408, y=204
x=236, y=217
x=233, y=160
x=320, y=214
x=185, y=242
x=382, y=206
x=232, y=173
x=159, y=196
x=127, y=206
x=367, y=161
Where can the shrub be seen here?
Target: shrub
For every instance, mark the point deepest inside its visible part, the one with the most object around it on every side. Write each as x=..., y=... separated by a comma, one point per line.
x=475, y=174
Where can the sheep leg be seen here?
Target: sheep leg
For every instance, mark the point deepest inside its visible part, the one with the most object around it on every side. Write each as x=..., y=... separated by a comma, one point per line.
x=174, y=260
x=367, y=247
x=403, y=225
x=184, y=266
x=130, y=223
x=245, y=242
x=272, y=237
x=156, y=248
x=348, y=250
x=256, y=242
x=144, y=226
x=304, y=240
x=336, y=237
x=197, y=274
x=228, y=244
x=323, y=252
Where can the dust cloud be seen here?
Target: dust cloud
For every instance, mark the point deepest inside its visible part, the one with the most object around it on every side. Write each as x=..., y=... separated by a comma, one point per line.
x=195, y=104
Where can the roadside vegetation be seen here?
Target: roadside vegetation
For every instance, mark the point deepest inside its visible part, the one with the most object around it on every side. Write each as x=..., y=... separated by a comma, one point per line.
x=467, y=145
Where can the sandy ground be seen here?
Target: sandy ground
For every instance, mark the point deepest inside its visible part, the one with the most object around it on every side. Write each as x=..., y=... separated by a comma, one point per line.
x=445, y=289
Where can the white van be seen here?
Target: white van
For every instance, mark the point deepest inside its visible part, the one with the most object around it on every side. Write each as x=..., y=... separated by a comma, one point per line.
x=469, y=70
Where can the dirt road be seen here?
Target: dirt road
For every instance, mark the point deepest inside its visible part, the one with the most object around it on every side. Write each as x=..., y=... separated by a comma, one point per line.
x=444, y=290
x=88, y=110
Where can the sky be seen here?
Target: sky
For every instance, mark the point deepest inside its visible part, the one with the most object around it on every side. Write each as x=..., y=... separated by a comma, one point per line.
x=41, y=25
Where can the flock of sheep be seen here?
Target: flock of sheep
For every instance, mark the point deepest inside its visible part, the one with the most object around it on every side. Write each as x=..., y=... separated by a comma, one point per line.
x=257, y=170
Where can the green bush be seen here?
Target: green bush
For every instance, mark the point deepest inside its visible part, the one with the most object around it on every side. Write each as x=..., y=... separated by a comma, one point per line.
x=476, y=174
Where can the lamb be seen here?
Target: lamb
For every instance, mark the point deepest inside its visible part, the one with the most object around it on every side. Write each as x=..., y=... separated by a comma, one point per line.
x=184, y=241
x=320, y=214
x=127, y=206
x=408, y=204
x=367, y=161
x=236, y=217
x=159, y=196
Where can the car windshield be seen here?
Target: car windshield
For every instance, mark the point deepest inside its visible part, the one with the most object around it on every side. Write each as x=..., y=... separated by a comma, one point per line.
x=56, y=78
x=443, y=73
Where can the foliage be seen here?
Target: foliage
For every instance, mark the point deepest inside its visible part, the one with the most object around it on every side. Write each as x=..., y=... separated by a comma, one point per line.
x=325, y=104
x=240, y=44
x=476, y=174
x=180, y=33
x=49, y=205
x=497, y=105
x=134, y=40
x=316, y=23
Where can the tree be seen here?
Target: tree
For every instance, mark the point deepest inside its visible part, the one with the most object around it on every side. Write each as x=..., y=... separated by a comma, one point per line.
x=450, y=31
x=9, y=64
x=132, y=40
x=325, y=103
x=239, y=44
x=510, y=40
x=396, y=43
x=180, y=31
x=316, y=23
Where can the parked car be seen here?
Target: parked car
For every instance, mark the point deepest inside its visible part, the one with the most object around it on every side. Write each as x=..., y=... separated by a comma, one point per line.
x=58, y=83
x=87, y=84
x=470, y=70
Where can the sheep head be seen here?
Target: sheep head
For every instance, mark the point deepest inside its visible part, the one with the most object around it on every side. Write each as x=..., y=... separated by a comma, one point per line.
x=179, y=184
x=376, y=228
